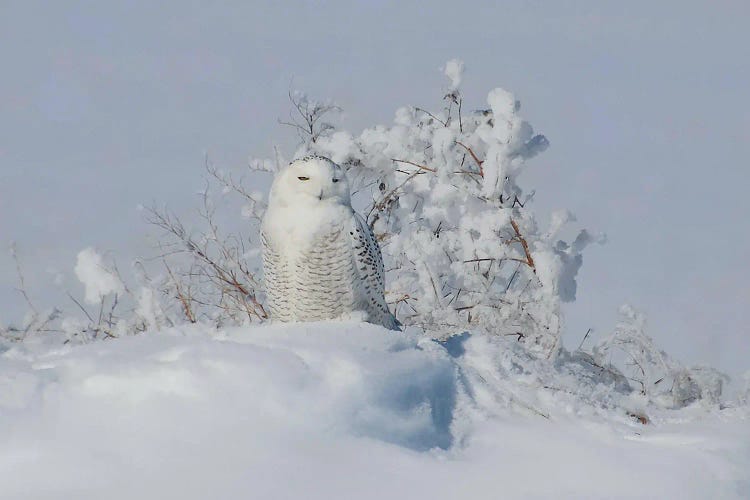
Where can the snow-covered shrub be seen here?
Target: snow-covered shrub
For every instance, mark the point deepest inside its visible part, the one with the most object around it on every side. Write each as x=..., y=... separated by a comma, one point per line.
x=698, y=383
x=109, y=308
x=663, y=380
x=212, y=276
x=462, y=246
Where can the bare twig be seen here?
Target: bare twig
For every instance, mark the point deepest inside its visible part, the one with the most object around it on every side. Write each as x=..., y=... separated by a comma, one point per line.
x=584, y=338
x=421, y=167
x=184, y=299
x=525, y=245
x=474, y=156
x=21, y=281
x=80, y=307
x=443, y=123
x=310, y=114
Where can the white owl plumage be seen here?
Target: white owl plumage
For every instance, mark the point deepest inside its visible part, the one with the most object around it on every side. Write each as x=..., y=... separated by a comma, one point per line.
x=320, y=258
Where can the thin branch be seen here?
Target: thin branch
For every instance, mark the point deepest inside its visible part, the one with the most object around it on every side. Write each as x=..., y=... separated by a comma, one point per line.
x=383, y=203
x=422, y=167
x=460, y=121
x=525, y=245
x=443, y=123
x=80, y=307
x=474, y=156
x=184, y=301
x=21, y=281
x=584, y=339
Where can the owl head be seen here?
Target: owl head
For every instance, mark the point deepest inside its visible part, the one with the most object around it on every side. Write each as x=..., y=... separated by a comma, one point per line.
x=310, y=180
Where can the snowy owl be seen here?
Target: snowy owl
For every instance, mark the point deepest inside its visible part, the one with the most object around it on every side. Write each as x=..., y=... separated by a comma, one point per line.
x=320, y=258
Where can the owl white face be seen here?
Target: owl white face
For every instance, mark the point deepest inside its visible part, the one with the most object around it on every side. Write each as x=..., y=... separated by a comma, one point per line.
x=312, y=179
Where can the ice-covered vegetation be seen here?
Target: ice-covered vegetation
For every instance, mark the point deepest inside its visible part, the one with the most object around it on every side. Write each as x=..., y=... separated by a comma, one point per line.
x=475, y=278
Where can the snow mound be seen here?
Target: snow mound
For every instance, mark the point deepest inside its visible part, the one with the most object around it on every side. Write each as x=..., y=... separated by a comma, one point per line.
x=367, y=381
x=332, y=410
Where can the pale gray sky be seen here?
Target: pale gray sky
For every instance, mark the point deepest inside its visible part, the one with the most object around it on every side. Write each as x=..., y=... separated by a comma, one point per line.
x=106, y=105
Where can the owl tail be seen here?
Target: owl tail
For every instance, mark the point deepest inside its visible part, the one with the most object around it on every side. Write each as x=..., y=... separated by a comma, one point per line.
x=392, y=323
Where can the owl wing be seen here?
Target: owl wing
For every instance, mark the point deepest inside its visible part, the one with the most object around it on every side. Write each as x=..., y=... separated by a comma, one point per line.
x=276, y=280
x=369, y=263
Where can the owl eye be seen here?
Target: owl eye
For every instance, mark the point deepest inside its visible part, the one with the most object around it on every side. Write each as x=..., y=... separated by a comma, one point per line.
x=334, y=180
x=303, y=178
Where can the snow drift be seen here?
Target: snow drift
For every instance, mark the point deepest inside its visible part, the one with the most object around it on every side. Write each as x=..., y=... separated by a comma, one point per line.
x=337, y=410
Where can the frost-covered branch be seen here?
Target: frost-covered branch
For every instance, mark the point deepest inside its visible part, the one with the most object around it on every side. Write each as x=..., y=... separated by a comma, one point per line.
x=306, y=117
x=660, y=378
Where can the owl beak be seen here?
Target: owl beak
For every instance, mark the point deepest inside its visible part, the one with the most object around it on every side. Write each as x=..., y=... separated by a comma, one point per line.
x=320, y=196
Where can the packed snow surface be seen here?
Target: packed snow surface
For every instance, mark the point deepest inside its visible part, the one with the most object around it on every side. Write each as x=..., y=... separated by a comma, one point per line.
x=330, y=410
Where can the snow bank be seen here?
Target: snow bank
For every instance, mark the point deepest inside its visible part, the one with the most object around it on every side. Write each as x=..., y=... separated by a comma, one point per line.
x=331, y=411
